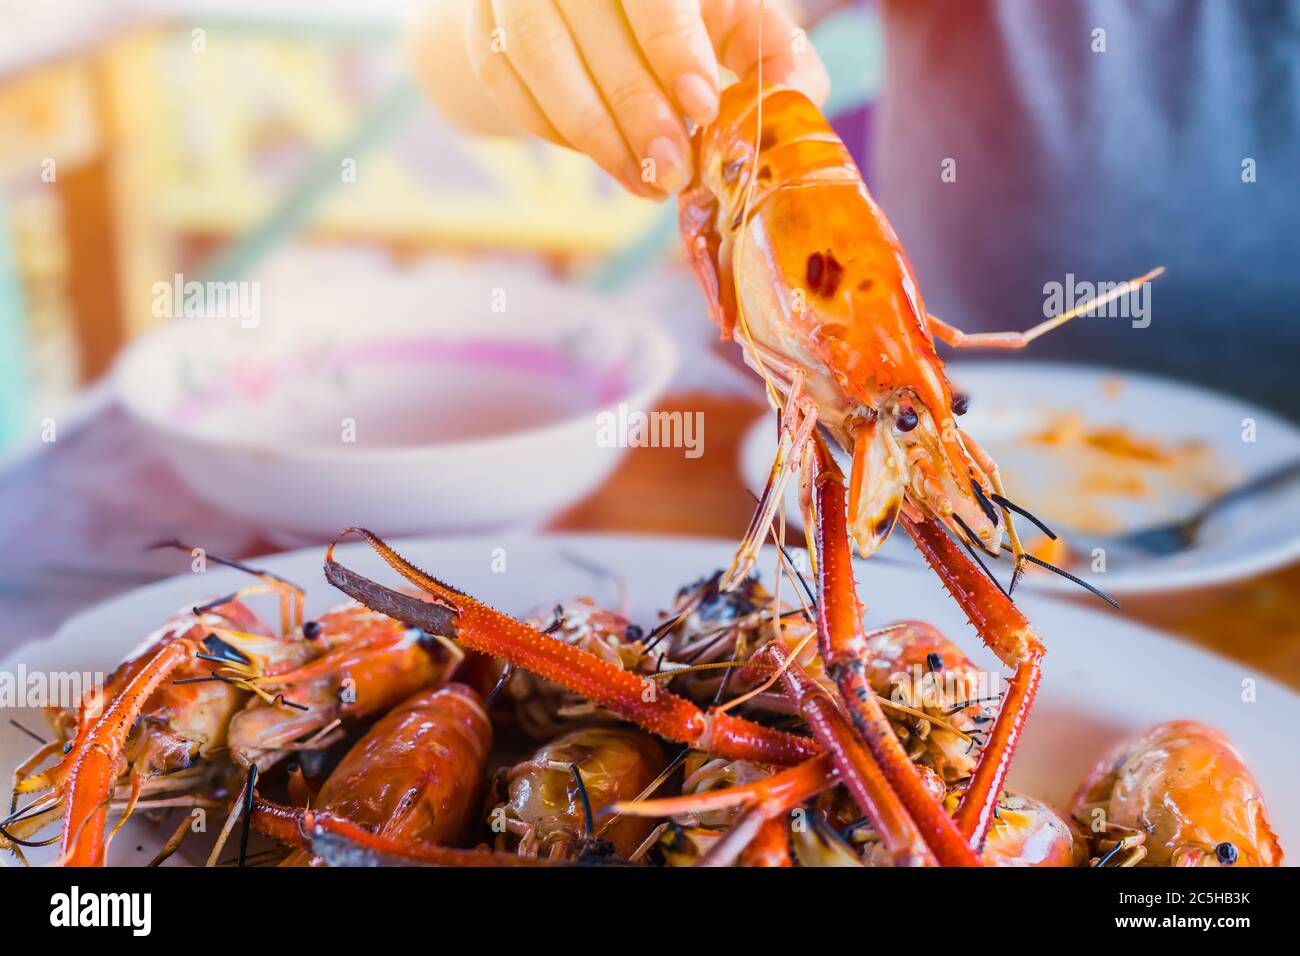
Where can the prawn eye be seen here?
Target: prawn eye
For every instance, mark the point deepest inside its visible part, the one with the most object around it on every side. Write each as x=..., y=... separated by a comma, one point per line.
x=934, y=661
x=960, y=404
x=311, y=630
x=1226, y=854
x=906, y=419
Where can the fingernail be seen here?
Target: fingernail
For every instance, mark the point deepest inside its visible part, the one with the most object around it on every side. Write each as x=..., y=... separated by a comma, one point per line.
x=699, y=97
x=670, y=171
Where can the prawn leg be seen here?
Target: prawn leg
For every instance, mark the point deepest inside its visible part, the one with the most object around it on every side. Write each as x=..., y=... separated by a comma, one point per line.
x=1006, y=632
x=955, y=337
x=857, y=767
x=340, y=842
x=843, y=649
x=457, y=615
x=797, y=424
x=97, y=762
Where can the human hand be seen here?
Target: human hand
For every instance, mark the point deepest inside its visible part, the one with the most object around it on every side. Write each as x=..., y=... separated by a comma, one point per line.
x=616, y=79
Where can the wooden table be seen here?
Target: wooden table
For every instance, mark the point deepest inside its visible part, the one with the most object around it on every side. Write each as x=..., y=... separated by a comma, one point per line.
x=660, y=491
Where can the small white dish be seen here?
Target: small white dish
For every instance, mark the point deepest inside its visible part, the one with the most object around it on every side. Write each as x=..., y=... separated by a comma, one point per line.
x=1011, y=400
x=404, y=403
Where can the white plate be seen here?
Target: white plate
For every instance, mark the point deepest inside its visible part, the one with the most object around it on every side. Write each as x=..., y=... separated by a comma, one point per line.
x=1103, y=678
x=1014, y=398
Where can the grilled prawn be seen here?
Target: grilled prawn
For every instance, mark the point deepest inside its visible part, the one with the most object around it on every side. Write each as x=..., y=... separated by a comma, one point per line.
x=1177, y=795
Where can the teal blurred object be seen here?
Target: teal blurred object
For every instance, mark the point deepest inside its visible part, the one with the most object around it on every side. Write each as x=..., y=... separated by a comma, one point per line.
x=14, y=350
x=852, y=45
x=294, y=210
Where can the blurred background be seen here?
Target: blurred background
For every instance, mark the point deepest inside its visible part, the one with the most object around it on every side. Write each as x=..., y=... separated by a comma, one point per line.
x=279, y=150
x=283, y=149
x=147, y=138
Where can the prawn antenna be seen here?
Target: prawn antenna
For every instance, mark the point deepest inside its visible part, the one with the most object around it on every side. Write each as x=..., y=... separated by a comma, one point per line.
x=970, y=549
x=30, y=733
x=803, y=582
x=1077, y=580
x=177, y=545
x=247, y=822
x=588, y=819
x=985, y=505
x=500, y=685
x=1012, y=506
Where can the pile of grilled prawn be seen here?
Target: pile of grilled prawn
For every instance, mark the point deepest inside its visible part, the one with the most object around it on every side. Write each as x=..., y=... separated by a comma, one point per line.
x=356, y=739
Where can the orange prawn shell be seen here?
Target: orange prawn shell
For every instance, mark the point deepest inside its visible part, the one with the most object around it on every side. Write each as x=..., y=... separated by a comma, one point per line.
x=789, y=245
x=1187, y=788
x=822, y=269
x=1029, y=833
x=415, y=774
x=617, y=763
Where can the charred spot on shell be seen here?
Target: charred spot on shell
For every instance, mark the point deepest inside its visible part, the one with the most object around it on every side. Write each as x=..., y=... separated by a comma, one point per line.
x=865, y=285
x=429, y=644
x=717, y=606
x=816, y=266
x=219, y=648
x=824, y=273
x=882, y=526
x=598, y=852
x=312, y=762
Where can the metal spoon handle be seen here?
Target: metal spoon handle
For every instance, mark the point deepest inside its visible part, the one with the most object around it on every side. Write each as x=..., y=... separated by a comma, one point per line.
x=1264, y=481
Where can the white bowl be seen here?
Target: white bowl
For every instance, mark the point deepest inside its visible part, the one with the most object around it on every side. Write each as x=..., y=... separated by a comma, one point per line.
x=405, y=405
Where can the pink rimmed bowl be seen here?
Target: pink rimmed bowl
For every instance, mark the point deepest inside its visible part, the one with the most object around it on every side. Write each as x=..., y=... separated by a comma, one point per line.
x=408, y=404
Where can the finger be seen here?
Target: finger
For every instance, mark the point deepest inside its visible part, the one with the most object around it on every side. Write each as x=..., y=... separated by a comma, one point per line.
x=438, y=54
x=672, y=36
x=787, y=55
x=485, y=42
x=546, y=58
x=646, y=117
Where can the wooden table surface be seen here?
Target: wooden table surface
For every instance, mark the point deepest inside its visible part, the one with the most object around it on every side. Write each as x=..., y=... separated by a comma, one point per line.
x=660, y=491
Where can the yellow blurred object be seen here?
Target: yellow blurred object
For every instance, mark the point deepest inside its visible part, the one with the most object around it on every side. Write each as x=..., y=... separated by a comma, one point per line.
x=162, y=142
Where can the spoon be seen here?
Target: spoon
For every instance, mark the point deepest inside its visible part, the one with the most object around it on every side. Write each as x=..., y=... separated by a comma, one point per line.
x=1163, y=540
